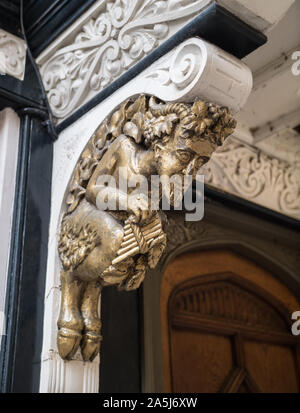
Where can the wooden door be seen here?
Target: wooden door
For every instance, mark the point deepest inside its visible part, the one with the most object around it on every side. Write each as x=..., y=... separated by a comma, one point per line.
x=227, y=327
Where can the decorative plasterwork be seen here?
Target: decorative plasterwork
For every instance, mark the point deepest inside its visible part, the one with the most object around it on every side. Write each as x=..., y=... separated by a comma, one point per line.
x=224, y=79
x=108, y=44
x=112, y=36
x=12, y=55
x=249, y=173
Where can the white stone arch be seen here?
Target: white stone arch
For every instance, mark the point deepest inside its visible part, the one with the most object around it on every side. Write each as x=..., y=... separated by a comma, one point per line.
x=194, y=69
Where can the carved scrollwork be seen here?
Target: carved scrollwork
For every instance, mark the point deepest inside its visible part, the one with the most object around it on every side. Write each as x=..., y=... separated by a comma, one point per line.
x=117, y=246
x=181, y=69
x=196, y=69
x=253, y=175
x=107, y=45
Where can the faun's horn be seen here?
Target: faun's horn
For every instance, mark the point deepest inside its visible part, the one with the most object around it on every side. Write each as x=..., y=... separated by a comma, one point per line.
x=157, y=109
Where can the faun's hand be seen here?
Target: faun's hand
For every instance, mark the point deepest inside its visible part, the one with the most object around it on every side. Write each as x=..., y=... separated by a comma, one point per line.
x=140, y=207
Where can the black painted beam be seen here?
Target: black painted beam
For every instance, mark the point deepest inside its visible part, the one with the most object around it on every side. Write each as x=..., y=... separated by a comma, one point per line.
x=47, y=19
x=9, y=16
x=24, y=306
x=13, y=100
x=120, y=367
x=252, y=208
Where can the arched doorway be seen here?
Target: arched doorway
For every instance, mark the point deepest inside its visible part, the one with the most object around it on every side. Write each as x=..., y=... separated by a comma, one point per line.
x=226, y=326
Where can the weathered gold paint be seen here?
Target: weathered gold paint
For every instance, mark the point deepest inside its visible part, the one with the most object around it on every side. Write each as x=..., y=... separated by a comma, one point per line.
x=99, y=248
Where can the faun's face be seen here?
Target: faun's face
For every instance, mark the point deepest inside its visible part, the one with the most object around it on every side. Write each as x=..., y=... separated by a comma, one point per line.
x=187, y=143
x=171, y=159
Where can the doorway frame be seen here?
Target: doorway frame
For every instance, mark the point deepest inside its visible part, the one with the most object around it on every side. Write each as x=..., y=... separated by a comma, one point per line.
x=269, y=244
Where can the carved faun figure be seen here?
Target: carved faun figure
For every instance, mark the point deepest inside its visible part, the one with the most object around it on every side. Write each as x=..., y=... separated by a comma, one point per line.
x=115, y=247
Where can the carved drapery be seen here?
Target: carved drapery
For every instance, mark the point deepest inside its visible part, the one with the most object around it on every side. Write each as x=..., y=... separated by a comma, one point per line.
x=249, y=173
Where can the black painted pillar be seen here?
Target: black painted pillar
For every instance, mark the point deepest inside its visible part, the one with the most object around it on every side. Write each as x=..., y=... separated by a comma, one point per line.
x=21, y=346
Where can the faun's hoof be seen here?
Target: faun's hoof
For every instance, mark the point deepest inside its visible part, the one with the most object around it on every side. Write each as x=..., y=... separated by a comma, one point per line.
x=67, y=343
x=90, y=346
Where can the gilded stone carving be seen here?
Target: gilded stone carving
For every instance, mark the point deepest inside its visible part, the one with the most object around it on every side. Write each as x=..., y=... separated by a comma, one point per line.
x=116, y=247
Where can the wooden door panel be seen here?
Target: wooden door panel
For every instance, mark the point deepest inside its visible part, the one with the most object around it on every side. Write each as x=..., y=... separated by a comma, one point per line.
x=200, y=361
x=273, y=367
x=227, y=331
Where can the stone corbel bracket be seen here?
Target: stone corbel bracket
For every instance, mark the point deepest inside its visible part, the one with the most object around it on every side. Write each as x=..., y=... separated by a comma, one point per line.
x=12, y=55
x=198, y=69
x=195, y=70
